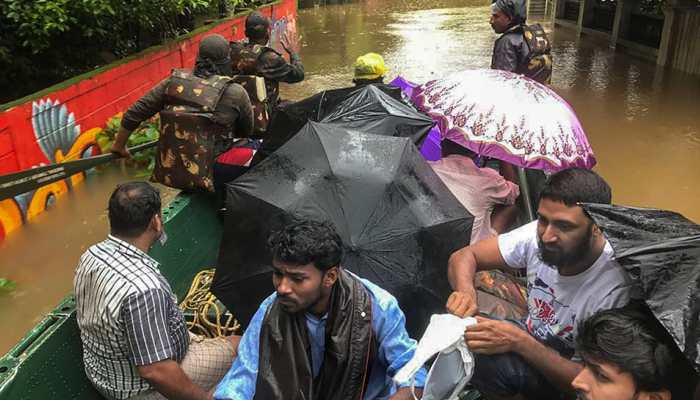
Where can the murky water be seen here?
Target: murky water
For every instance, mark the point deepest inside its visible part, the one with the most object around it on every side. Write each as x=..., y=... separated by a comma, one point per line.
x=643, y=124
x=42, y=256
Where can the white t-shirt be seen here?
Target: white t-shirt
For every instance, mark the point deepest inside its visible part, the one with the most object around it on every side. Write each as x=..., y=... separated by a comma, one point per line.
x=557, y=303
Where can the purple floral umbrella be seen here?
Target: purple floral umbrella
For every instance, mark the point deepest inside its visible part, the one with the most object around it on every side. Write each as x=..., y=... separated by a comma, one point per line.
x=506, y=116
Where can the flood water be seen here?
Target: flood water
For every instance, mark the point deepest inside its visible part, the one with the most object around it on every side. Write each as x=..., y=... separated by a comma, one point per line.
x=642, y=122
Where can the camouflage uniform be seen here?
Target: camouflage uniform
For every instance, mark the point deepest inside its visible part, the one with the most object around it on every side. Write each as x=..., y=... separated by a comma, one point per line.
x=199, y=119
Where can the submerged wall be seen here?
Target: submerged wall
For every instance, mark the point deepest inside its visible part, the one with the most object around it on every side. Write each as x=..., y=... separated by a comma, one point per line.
x=60, y=123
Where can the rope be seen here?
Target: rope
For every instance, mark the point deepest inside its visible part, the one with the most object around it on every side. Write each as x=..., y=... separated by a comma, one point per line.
x=210, y=317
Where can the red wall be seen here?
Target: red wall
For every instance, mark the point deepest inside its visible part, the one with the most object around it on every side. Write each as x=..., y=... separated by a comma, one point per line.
x=101, y=96
x=92, y=101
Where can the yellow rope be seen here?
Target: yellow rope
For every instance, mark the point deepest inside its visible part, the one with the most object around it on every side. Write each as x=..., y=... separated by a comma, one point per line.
x=209, y=316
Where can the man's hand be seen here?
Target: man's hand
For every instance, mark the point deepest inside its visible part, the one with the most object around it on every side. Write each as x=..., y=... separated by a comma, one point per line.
x=463, y=303
x=490, y=336
x=120, y=150
x=119, y=145
x=405, y=394
x=290, y=42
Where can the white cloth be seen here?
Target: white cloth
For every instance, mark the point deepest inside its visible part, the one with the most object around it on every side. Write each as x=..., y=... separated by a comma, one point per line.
x=454, y=365
x=478, y=189
x=556, y=303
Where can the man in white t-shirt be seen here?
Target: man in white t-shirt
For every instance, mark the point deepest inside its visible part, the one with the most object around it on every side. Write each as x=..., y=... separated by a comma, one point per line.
x=571, y=274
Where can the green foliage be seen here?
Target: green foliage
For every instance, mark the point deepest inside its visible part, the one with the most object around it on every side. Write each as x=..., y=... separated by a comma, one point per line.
x=43, y=42
x=6, y=285
x=148, y=131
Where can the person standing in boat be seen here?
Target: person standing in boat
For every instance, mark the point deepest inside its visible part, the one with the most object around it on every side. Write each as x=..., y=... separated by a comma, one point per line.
x=571, y=274
x=135, y=340
x=201, y=112
x=253, y=56
x=325, y=333
x=521, y=48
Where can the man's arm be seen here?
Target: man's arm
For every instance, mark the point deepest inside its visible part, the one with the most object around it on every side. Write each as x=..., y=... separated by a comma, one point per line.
x=146, y=107
x=394, y=347
x=462, y=267
x=239, y=382
x=170, y=380
x=496, y=337
x=274, y=67
x=153, y=346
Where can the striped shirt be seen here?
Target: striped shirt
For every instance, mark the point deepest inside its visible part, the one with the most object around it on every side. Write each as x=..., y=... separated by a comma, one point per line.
x=128, y=317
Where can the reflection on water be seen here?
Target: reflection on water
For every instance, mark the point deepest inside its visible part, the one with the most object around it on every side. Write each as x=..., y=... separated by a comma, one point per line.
x=642, y=122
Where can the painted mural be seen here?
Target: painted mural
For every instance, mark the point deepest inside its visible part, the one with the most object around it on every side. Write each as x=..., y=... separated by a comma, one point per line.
x=48, y=129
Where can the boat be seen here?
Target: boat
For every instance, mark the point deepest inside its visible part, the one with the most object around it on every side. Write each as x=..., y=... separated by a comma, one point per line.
x=47, y=363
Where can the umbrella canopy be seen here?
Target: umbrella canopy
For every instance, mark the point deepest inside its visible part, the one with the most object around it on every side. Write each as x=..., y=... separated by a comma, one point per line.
x=290, y=118
x=378, y=109
x=661, y=251
x=373, y=111
x=431, y=148
x=506, y=116
x=398, y=222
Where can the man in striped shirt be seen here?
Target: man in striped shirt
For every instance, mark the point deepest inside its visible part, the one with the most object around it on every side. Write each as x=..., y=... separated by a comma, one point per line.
x=135, y=341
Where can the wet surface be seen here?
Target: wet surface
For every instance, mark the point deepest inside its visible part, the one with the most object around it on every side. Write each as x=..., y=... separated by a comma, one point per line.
x=41, y=257
x=642, y=122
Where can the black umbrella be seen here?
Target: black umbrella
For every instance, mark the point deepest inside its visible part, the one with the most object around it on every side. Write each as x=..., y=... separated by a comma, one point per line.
x=398, y=221
x=370, y=105
x=661, y=251
x=373, y=111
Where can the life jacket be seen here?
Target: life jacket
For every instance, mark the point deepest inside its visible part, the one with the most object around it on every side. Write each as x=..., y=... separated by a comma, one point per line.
x=245, y=59
x=257, y=92
x=538, y=65
x=189, y=134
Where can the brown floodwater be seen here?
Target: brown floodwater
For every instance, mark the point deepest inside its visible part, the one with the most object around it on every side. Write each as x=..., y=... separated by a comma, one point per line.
x=643, y=123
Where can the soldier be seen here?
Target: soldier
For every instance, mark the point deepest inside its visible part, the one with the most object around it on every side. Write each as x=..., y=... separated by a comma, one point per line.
x=252, y=56
x=200, y=113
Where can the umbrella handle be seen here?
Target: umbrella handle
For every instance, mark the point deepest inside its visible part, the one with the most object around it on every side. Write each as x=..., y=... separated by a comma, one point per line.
x=525, y=192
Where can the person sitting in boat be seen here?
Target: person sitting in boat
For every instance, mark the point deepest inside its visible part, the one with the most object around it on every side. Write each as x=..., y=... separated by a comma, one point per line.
x=368, y=69
x=521, y=48
x=486, y=194
x=252, y=56
x=135, y=340
x=626, y=356
x=571, y=274
x=201, y=112
x=354, y=331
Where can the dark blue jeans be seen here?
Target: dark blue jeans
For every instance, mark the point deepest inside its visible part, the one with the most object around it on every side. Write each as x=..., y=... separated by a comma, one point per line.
x=508, y=374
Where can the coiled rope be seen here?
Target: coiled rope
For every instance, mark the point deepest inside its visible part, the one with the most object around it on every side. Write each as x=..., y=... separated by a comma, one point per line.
x=210, y=317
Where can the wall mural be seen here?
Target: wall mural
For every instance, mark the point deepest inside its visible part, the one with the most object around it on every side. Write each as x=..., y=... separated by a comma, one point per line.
x=48, y=130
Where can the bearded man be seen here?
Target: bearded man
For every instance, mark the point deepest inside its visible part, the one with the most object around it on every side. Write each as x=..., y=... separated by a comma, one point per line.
x=571, y=274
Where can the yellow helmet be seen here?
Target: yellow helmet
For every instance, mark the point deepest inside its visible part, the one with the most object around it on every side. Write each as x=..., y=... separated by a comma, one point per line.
x=369, y=66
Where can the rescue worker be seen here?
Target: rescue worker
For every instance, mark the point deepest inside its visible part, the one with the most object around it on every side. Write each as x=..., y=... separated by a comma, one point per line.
x=201, y=112
x=252, y=56
x=521, y=48
x=369, y=69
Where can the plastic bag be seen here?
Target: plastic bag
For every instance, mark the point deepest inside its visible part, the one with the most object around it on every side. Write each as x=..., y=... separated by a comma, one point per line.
x=454, y=365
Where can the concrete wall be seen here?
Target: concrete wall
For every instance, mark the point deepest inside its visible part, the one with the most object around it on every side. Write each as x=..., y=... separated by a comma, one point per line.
x=684, y=49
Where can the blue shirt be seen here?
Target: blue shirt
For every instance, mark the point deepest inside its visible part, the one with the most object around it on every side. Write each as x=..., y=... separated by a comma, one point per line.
x=394, y=350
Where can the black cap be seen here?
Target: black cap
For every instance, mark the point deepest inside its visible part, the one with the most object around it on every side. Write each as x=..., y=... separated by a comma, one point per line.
x=255, y=18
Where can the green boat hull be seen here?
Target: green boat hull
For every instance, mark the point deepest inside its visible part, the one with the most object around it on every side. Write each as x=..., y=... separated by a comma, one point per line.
x=47, y=363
